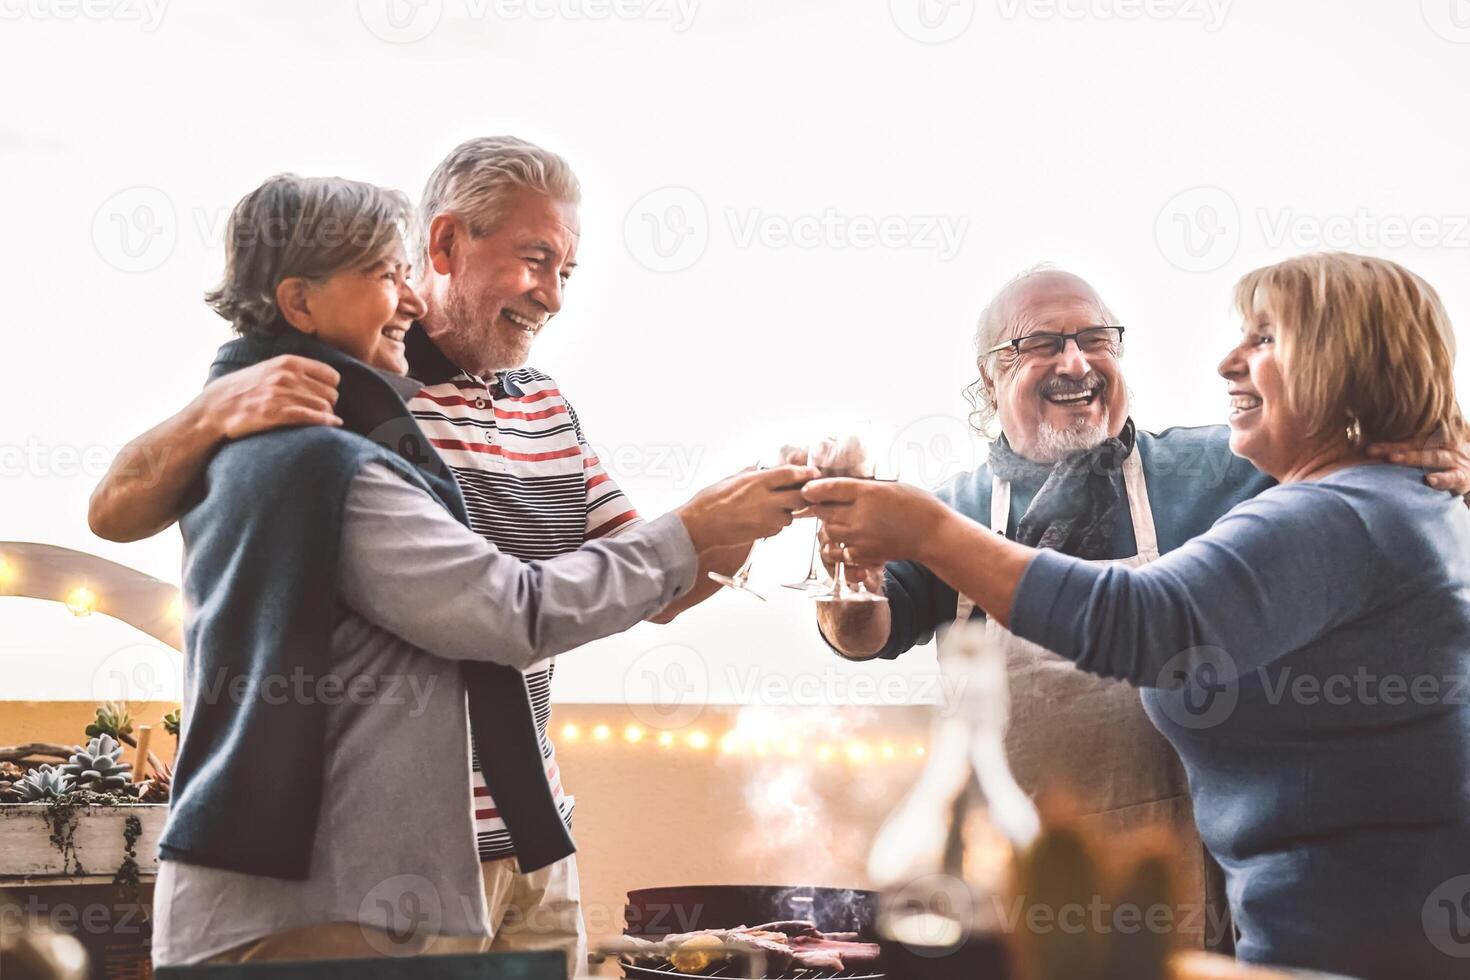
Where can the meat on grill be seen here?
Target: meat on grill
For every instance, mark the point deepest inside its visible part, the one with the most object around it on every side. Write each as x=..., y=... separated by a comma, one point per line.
x=784, y=946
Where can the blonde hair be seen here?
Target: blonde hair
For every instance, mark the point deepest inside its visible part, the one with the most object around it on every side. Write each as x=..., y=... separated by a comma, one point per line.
x=474, y=180
x=1366, y=347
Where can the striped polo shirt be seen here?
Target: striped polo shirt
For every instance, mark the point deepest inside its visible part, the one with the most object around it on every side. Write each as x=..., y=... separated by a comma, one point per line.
x=532, y=487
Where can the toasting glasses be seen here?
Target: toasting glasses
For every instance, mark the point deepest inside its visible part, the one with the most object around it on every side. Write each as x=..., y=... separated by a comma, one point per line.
x=740, y=581
x=858, y=455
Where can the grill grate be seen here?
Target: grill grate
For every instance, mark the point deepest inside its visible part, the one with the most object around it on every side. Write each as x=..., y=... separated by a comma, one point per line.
x=731, y=972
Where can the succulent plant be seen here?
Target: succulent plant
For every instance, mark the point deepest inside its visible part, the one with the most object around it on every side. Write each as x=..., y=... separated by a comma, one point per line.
x=171, y=723
x=98, y=766
x=45, y=783
x=160, y=787
x=112, y=719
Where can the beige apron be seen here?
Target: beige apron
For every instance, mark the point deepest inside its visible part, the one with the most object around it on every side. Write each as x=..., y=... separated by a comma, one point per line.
x=1088, y=735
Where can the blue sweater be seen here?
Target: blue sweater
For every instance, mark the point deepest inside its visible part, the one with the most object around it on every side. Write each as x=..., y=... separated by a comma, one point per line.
x=1307, y=658
x=1193, y=478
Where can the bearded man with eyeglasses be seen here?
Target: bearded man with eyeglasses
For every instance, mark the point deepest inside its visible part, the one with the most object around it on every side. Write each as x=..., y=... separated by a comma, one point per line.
x=1069, y=470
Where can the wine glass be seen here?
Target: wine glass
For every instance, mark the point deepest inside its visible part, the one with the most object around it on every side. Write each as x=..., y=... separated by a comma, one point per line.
x=855, y=456
x=816, y=582
x=740, y=581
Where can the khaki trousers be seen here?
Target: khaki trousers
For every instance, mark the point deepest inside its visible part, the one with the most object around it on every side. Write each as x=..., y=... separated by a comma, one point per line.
x=344, y=941
x=536, y=911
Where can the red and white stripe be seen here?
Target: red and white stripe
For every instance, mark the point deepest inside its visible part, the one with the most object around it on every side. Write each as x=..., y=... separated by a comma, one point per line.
x=533, y=488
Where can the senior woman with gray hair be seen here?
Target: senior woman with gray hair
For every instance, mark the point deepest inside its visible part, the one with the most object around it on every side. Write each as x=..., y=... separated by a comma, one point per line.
x=1307, y=655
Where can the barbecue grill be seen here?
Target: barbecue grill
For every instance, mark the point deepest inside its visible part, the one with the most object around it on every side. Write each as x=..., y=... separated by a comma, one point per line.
x=653, y=913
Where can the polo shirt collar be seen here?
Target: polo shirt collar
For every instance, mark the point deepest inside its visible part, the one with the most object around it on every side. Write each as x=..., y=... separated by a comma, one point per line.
x=427, y=363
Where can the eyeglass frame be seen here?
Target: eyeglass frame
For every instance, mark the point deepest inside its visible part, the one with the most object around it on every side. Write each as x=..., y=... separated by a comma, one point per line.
x=1015, y=342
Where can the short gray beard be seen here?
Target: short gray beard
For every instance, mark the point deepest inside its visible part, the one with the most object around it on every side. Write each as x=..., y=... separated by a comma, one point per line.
x=1053, y=443
x=475, y=347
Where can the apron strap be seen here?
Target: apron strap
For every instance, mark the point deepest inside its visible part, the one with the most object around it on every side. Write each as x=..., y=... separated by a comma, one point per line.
x=1145, y=535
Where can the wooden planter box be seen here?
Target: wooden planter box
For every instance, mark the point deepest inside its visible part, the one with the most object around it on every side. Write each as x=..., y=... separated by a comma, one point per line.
x=84, y=845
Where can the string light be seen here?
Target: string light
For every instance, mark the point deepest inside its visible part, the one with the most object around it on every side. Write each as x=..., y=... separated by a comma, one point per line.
x=731, y=742
x=8, y=572
x=82, y=601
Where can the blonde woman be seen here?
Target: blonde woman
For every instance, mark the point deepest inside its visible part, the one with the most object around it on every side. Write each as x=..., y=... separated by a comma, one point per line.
x=1307, y=656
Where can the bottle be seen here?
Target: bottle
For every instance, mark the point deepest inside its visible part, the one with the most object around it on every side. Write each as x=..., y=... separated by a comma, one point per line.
x=944, y=858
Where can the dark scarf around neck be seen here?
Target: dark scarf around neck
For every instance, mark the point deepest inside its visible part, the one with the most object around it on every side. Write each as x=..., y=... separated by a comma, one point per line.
x=1076, y=510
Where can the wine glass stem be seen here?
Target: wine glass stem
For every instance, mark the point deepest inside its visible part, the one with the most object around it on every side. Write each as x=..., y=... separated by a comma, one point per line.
x=811, y=568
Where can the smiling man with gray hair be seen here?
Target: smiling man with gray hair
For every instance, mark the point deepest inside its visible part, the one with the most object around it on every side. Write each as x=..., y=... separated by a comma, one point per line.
x=1069, y=470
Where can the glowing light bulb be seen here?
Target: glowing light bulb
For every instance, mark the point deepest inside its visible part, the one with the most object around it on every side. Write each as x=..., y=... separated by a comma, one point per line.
x=666, y=739
x=887, y=751
x=824, y=753
x=570, y=732
x=176, y=609
x=8, y=572
x=82, y=601
x=698, y=740
x=919, y=750
x=857, y=752
x=633, y=734
x=601, y=733
x=791, y=747
x=728, y=744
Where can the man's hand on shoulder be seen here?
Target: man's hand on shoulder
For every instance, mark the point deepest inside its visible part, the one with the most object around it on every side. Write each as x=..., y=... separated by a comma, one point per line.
x=134, y=502
x=282, y=391
x=1446, y=467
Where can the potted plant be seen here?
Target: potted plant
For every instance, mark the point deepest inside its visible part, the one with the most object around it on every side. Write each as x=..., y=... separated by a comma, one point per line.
x=82, y=812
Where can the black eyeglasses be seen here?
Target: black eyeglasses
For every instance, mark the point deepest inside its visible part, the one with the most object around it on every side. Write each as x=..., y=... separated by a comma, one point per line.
x=1090, y=340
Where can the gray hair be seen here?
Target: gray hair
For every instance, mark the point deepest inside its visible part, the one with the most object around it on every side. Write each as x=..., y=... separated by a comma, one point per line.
x=311, y=227
x=477, y=176
x=989, y=330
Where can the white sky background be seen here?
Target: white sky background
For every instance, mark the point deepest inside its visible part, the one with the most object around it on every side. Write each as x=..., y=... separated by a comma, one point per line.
x=1078, y=132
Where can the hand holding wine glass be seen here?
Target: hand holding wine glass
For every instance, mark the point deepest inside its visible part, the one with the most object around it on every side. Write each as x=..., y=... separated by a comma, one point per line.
x=851, y=456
